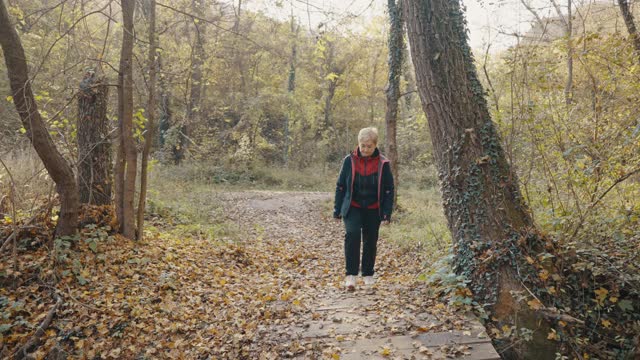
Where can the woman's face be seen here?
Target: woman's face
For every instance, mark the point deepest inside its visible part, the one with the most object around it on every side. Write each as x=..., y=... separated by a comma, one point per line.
x=366, y=147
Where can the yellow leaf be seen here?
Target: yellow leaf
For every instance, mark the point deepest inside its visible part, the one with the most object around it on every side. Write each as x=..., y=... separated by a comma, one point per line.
x=296, y=302
x=613, y=299
x=335, y=356
x=601, y=295
x=9, y=98
x=552, y=335
x=544, y=275
x=562, y=323
x=606, y=323
x=506, y=330
x=534, y=304
x=530, y=260
x=385, y=351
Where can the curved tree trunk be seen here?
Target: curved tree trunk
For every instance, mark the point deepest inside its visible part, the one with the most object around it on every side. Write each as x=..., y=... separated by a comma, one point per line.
x=489, y=221
x=396, y=52
x=94, y=147
x=37, y=132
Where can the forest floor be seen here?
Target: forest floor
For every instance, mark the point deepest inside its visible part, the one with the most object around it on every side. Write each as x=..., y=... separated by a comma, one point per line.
x=276, y=291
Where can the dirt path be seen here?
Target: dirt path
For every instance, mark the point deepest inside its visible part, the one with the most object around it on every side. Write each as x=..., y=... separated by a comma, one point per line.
x=318, y=318
x=270, y=290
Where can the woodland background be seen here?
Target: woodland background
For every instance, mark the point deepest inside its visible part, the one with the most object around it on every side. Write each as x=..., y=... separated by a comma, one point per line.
x=248, y=101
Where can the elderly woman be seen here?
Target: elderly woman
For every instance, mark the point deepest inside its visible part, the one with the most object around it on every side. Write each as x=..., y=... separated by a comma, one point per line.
x=364, y=199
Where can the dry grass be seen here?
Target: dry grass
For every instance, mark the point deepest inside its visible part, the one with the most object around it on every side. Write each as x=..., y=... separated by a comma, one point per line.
x=24, y=172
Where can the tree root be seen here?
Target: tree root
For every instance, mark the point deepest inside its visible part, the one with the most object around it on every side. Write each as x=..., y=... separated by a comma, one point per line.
x=22, y=352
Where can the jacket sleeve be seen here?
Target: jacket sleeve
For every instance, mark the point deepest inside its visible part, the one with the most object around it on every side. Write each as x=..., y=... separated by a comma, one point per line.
x=387, y=192
x=341, y=188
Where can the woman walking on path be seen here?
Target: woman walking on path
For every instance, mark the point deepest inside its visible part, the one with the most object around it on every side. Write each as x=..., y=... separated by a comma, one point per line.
x=364, y=199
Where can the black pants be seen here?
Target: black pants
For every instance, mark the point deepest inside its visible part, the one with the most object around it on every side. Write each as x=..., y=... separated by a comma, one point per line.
x=361, y=224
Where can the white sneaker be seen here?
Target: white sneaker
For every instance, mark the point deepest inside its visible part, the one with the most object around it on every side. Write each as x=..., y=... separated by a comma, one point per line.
x=350, y=282
x=369, y=280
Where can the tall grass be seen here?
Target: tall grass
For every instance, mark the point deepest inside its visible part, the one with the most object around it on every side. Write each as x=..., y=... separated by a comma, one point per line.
x=318, y=178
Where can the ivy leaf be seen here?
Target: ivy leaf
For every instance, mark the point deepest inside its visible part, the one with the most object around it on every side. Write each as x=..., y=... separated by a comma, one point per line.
x=82, y=280
x=4, y=328
x=626, y=305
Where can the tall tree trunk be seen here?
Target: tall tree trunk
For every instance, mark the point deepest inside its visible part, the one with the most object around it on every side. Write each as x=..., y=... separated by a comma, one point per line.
x=396, y=52
x=407, y=73
x=238, y=58
x=490, y=223
x=332, y=84
x=291, y=86
x=631, y=26
x=36, y=131
x=165, y=106
x=568, y=90
x=568, y=33
x=332, y=75
x=195, y=88
x=94, y=145
x=374, y=89
x=128, y=152
x=151, y=118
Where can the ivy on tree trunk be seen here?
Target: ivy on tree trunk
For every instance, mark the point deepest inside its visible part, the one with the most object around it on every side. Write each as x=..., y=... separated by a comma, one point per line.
x=396, y=52
x=490, y=223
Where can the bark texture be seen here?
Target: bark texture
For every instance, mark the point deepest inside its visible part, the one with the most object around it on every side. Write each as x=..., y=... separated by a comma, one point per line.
x=489, y=221
x=291, y=87
x=57, y=167
x=128, y=152
x=151, y=118
x=396, y=52
x=629, y=21
x=94, y=145
x=195, y=87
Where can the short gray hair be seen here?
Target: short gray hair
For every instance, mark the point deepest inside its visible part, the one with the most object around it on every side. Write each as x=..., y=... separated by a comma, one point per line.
x=368, y=133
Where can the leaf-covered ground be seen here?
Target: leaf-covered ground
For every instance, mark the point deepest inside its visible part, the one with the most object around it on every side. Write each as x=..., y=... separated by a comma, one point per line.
x=267, y=294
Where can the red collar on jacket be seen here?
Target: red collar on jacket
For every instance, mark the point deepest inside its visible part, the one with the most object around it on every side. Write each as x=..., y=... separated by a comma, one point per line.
x=366, y=165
